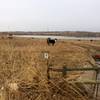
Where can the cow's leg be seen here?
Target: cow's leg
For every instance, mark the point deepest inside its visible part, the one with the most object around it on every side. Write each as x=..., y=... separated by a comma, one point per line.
x=48, y=42
x=53, y=44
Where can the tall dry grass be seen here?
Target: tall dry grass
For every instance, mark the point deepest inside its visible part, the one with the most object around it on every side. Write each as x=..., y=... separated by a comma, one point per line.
x=23, y=70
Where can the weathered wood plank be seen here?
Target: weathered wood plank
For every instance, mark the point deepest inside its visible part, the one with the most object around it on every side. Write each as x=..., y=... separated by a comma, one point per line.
x=74, y=69
x=85, y=82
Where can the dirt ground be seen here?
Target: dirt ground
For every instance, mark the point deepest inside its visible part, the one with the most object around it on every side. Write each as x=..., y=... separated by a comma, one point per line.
x=23, y=68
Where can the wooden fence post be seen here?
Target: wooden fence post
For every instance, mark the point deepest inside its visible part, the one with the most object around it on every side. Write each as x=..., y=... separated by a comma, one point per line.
x=96, y=86
x=64, y=71
x=48, y=74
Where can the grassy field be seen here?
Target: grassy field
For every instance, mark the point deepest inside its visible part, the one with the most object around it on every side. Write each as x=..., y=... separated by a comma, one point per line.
x=23, y=68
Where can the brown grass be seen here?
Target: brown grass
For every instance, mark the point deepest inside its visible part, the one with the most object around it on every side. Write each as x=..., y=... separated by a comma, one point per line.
x=23, y=70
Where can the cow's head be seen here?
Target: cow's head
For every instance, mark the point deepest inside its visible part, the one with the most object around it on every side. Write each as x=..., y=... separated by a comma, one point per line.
x=55, y=39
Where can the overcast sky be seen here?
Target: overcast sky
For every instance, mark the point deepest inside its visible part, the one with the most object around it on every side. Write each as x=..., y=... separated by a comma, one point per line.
x=50, y=15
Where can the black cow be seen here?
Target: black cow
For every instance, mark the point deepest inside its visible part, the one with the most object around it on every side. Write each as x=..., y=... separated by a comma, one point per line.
x=51, y=41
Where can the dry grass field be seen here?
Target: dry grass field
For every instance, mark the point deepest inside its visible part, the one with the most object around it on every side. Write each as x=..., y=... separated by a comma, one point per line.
x=23, y=69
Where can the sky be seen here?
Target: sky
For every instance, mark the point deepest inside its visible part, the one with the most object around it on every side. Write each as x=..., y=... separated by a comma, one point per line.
x=50, y=15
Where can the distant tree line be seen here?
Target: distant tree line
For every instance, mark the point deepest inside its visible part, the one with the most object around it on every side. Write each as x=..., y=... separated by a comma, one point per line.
x=65, y=33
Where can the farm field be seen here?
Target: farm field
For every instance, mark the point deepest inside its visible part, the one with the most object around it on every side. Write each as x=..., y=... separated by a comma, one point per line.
x=24, y=69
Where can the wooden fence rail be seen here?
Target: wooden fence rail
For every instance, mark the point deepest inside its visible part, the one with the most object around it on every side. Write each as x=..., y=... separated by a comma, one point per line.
x=64, y=70
x=74, y=69
x=85, y=82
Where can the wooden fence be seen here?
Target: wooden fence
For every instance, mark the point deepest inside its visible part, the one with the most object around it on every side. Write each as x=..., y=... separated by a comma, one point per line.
x=64, y=71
